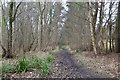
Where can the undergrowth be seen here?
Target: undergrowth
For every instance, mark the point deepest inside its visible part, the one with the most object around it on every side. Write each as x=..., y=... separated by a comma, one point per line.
x=24, y=63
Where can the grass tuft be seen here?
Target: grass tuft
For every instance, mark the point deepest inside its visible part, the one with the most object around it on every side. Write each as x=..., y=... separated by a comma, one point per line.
x=49, y=58
x=22, y=64
x=7, y=68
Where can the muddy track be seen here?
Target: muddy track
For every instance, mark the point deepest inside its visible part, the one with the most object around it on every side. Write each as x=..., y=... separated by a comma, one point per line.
x=65, y=66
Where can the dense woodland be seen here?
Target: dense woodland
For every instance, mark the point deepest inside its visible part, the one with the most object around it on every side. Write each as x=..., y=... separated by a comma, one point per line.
x=44, y=26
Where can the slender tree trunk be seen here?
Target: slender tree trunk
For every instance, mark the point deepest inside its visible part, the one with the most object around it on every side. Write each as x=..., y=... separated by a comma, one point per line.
x=2, y=43
x=106, y=45
x=110, y=38
x=92, y=28
x=9, y=51
x=110, y=27
x=100, y=32
x=41, y=23
x=41, y=32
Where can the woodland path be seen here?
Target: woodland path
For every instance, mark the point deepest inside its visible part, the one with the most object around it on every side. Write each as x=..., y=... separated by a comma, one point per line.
x=65, y=66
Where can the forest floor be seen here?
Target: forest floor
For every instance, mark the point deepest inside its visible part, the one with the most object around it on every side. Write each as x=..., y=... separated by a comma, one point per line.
x=84, y=65
x=69, y=64
x=104, y=64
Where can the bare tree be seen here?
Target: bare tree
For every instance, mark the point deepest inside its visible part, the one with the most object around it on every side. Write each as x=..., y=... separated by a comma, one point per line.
x=12, y=16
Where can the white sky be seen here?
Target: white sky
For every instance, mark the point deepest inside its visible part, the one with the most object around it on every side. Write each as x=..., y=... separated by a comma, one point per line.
x=64, y=0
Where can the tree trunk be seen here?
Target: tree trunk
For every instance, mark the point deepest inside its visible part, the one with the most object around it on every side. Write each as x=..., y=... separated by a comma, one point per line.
x=41, y=32
x=110, y=36
x=118, y=31
x=9, y=50
x=3, y=30
x=41, y=23
x=92, y=28
x=12, y=17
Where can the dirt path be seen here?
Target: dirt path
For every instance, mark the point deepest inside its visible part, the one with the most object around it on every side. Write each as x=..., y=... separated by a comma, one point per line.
x=66, y=66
